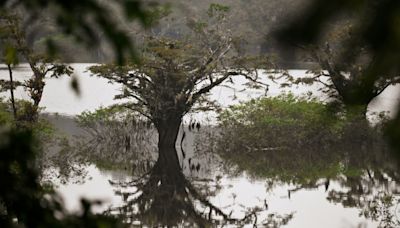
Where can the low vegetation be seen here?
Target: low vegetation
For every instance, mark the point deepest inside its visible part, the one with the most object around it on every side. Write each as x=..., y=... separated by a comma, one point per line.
x=294, y=139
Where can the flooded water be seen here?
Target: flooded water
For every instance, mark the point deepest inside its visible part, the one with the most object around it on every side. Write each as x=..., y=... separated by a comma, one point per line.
x=352, y=189
x=357, y=188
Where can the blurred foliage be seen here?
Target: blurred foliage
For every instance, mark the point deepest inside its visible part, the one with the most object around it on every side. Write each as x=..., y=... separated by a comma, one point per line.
x=82, y=19
x=51, y=147
x=26, y=195
x=24, y=202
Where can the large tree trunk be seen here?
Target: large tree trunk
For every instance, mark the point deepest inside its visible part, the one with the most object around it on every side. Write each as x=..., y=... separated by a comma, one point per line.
x=168, y=161
x=166, y=186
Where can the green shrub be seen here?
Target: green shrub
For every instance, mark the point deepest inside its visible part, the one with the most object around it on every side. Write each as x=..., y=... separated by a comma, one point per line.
x=295, y=140
x=283, y=121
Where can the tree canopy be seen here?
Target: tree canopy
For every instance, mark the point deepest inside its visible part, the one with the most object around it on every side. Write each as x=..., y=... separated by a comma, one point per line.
x=174, y=74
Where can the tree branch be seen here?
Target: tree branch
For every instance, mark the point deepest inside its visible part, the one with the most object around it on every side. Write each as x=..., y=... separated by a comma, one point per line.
x=207, y=88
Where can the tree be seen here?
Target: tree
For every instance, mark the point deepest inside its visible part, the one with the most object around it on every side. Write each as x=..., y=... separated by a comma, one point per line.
x=42, y=66
x=343, y=79
x=175, y=75
x=376, y=24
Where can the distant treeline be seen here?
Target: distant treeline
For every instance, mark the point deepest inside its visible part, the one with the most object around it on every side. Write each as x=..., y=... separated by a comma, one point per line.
x=251, y=21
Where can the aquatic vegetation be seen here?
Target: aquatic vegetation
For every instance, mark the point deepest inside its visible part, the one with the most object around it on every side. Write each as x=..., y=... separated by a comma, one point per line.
x=293, y=138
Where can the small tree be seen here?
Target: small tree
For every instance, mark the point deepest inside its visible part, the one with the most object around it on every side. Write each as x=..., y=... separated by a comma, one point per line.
x=175, y=75
x=42, y=66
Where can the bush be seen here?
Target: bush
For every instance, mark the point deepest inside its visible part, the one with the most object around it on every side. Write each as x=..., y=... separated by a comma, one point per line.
x=283, y=121
x=294, y=139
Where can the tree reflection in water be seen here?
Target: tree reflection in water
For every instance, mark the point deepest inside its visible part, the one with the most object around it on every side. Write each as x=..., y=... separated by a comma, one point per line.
x=165, y=197
x=161, y=194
